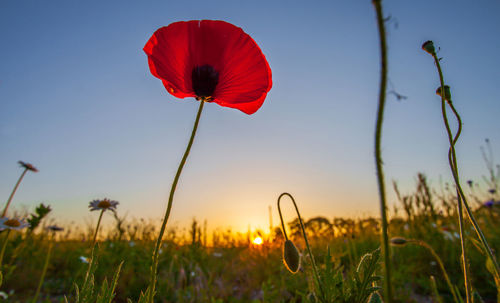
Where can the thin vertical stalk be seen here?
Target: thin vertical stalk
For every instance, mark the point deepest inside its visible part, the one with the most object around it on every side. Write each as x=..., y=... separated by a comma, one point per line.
x=91, y=259
x=44, y=271
x=313, y=262
x=4, y=246
x=454, y=169
x=453, y=165
x=378, y=152
x=4, y=212
x=154, y=265
x=97, y=229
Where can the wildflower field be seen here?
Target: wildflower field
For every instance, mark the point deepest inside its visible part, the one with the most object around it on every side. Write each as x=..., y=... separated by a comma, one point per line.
x=225, y=266
x=429, y=243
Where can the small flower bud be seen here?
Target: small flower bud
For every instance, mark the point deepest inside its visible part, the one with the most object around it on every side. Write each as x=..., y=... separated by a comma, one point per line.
x=375, y=298
x=291, y=257
x=447, y=92
x=428, y=46
x=398, y=241
x=476, y=298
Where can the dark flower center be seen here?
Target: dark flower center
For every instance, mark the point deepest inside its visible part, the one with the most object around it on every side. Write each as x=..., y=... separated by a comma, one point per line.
x=104, y=204
x=12, y=223
x=205, y=79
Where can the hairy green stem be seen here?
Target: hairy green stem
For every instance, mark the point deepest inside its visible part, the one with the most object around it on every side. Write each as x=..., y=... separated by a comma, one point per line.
x=4, y=213
x=154, y=265
x=453, y=165
x=378, y=152
x=313, y=262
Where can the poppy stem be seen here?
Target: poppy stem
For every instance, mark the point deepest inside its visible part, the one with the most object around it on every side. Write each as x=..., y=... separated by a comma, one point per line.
x=315, y=269
x=378, y=152
x=460, y=194
x=4, y=213
x=154, y=265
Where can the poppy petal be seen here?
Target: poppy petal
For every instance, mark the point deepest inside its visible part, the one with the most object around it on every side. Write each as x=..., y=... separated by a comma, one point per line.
x=244, y=74
x=168, y=58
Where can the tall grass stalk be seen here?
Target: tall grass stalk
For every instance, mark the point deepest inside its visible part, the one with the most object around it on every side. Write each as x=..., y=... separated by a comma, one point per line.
x=154, y=265
x=378, y=152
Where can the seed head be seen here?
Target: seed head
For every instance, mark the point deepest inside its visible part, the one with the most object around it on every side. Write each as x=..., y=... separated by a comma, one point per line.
x=428, y=46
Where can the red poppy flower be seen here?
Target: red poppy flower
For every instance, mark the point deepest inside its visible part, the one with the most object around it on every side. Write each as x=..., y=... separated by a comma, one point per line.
x=211, y=60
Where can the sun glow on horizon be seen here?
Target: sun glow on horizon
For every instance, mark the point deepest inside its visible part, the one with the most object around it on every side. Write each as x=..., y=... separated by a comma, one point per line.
x=257, y=241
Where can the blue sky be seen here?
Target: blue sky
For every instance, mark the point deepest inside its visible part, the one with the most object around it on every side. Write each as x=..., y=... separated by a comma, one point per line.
x=78, y=101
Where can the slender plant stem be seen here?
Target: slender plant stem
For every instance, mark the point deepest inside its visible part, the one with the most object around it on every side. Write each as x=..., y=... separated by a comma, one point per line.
x=4, y=213
x=315, y=269
x=44, y=270
x=94, y=241
x=453, y=165
x=97, y=229
x=154, y=265
x=4, y=245
x=441, y=265
x=468, y=210
x=378, y=152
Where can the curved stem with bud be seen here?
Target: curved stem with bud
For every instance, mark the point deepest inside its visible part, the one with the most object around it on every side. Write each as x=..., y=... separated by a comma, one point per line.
x=313, y=262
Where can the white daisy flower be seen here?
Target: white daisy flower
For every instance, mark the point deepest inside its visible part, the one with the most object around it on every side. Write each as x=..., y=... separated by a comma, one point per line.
x=103, y=204
x=6, y=223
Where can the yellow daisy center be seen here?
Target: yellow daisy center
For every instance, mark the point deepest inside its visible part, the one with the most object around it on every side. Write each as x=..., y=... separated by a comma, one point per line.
x=12, y=223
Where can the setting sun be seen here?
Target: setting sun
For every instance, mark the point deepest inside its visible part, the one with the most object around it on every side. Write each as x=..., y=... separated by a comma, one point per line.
x=257, y=241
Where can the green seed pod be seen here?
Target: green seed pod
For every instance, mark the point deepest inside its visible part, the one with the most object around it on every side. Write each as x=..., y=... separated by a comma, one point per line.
x=428, y=46
x=291, y=257
x=447, y=92
x=399, y=241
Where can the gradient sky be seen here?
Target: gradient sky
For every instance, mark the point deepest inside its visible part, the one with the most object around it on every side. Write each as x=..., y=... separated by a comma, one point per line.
x=78, y=101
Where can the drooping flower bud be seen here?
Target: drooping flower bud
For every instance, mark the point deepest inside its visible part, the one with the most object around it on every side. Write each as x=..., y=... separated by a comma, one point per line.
x=476, y=298
x=375, y=298
x=398, y=241
x=291, y=257
x=447, y=93
x=428, y=46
